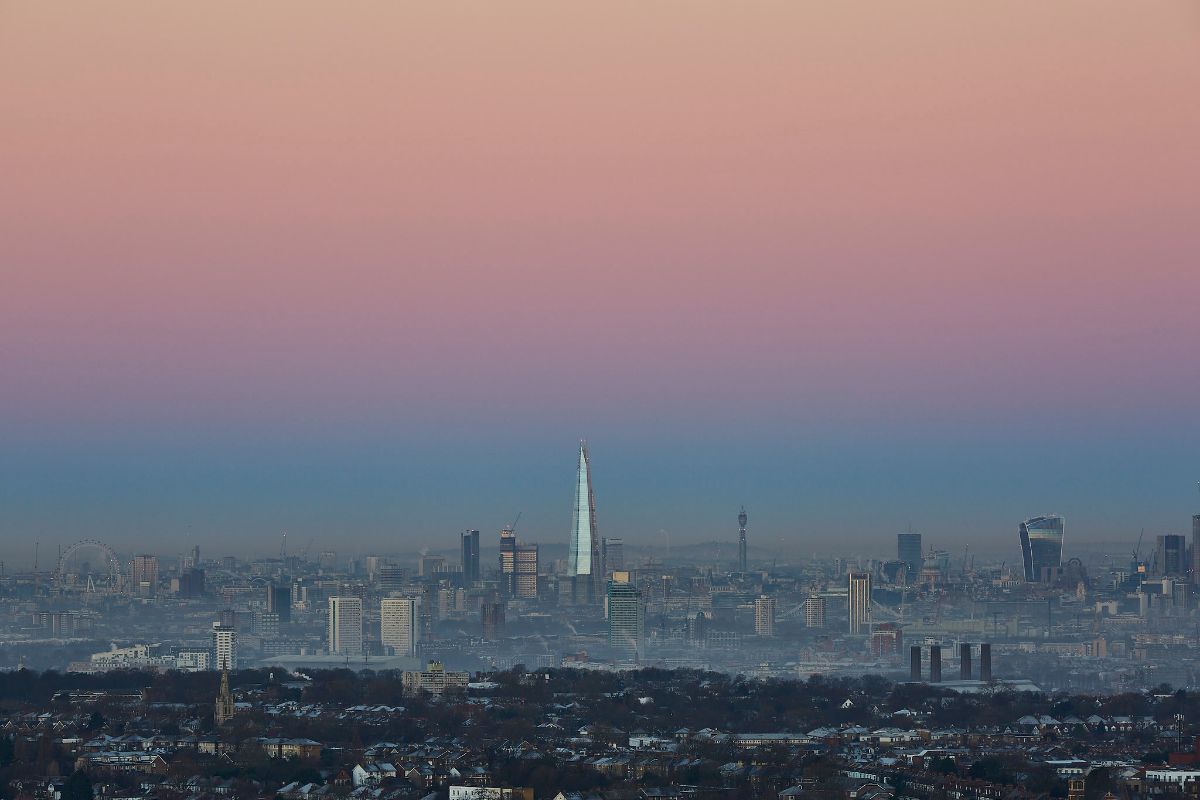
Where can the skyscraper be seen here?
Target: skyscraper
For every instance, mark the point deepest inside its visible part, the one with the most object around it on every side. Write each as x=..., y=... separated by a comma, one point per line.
x=1170, y=557
x=908, y=550
x=279, y=600
x=344, y=627
x=1041, y=546
x=860, y=602
x=764, y=616
x=583, y=552
x=398, y=626
x=470, y=557
x=518, y=566
x=626, y=618
x=525, y=572
x=508, y=552
x=144, y=575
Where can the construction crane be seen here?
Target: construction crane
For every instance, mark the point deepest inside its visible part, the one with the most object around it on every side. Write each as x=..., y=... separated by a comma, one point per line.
x=1137, y=550
x=513, y=528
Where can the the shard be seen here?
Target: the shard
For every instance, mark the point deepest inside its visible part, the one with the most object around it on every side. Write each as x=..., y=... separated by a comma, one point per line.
x=583, y=555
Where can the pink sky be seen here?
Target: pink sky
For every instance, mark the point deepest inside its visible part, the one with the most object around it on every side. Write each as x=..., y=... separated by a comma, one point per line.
x=218, y=210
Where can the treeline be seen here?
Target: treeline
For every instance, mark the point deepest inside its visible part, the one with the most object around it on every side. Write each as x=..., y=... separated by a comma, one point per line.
x=640, y=700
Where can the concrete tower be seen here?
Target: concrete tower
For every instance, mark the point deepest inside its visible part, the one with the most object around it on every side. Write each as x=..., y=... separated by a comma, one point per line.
x=742, y=540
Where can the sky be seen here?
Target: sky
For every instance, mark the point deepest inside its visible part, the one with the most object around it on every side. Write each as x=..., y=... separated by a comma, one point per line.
x=367, y=273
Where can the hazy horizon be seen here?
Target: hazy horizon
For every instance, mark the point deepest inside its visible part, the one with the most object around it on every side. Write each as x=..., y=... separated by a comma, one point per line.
x=359, y=507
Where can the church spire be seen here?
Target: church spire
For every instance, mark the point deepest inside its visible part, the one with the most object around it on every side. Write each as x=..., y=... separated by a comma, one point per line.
x=224, y=710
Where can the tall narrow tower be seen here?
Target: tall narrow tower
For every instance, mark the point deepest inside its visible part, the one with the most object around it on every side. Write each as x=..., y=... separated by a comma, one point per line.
x=742, y=540
x=583, y=553
x=224, y=707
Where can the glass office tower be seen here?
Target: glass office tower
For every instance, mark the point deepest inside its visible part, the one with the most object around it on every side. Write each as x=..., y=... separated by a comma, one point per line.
x=1041, y=546
x=908, y=550
x=583, y=553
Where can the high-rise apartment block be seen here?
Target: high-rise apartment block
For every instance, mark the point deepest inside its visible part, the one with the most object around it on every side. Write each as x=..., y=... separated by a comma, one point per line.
x=399, y=625
x=525, y=577
x=344, y=627
x=225, y=640
x=626, y=618
x=859, y=602
x=814, y=611
x=764, y=616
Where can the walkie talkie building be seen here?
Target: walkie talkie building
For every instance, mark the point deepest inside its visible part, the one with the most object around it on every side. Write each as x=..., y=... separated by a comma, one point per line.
x=1041, y=546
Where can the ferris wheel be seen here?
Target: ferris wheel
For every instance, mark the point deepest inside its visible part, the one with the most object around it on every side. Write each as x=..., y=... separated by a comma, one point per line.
x=89, y=565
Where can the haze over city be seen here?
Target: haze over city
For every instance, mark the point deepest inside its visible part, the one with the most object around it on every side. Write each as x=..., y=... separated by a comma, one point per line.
x=368, y=277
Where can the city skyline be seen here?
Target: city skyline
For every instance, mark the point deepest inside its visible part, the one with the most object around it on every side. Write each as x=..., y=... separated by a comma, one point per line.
x=795, y=543
x=624, y=401
x=359, y=276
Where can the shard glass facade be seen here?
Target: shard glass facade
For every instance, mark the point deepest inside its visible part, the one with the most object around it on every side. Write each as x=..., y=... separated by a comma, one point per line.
x=583, y=551
x=1041, y=546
